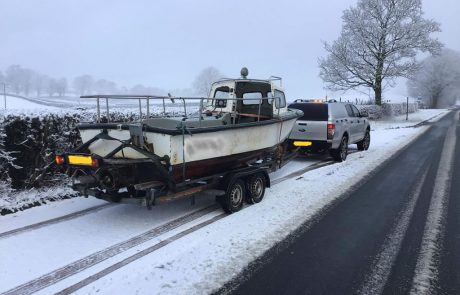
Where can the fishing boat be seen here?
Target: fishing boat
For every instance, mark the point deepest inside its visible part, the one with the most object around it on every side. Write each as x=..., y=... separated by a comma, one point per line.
x=241, y=122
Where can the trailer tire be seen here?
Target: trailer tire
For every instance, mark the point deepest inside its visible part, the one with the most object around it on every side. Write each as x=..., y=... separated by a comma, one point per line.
x=234, y=196
x=255, y=188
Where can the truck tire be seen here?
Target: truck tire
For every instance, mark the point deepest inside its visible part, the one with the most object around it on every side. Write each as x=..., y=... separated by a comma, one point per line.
x=364, y=144
x=234, y=196
x=340, y=154
x=255, y=188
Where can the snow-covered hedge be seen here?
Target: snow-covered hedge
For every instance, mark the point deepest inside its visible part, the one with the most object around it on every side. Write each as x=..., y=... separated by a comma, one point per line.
x=28, y=145
x=374, y=111
x=387, y=110
x=396, y=109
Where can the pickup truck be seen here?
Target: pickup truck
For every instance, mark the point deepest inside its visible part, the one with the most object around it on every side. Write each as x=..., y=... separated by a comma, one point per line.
x=330, y=126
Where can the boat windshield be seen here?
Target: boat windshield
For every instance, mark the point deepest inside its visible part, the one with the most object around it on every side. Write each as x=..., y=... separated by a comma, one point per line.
x=223, y=92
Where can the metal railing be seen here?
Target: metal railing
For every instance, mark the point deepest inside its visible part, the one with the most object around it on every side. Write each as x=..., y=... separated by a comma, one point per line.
x=149, y=98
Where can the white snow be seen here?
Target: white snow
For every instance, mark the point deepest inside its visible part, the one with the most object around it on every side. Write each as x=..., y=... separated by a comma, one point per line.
x=14, y=104
x=204, y=260
x=46, y=212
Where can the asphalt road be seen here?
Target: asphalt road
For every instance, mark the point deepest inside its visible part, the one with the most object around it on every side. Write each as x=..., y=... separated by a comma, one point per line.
x=397, y=233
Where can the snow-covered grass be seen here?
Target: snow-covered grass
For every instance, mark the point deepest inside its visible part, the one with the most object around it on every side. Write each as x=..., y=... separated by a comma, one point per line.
x=413, y=119
x=13, y=201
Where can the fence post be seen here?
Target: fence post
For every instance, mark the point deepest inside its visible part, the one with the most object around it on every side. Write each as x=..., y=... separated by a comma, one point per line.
x=407, y=108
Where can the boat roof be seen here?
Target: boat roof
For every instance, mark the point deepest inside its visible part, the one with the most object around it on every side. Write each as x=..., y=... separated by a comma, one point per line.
x=269, y=80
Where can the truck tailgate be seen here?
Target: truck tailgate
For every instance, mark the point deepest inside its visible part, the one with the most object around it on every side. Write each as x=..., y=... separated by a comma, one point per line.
x=309, y=130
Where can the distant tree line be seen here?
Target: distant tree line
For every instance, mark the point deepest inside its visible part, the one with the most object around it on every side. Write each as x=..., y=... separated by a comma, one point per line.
x=23, y=81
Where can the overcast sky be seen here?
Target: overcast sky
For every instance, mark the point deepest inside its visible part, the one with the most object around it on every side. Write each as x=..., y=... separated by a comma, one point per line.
x=166, y=43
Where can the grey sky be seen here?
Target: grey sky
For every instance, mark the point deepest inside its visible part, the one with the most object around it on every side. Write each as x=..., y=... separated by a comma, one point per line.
x=166, y=43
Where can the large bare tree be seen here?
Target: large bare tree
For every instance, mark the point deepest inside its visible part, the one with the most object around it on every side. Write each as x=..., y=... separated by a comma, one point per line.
x=437, y=81
x=378, y=43
x=205, y=78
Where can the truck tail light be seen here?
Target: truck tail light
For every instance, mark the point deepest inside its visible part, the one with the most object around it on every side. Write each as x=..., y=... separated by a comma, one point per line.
x=330, y=130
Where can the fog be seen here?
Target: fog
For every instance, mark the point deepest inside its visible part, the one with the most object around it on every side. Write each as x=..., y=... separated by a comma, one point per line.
x=166, y=44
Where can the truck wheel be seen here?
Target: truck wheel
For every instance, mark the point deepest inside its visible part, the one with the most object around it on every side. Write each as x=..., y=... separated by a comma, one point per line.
x=341, y=153
x=364, y=144
x=255, y=189
x=233, y=199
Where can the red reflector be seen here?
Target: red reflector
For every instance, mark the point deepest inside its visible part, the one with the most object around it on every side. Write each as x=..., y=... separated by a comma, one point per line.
x=60, y=160
x=330, y=130
x=94, y=162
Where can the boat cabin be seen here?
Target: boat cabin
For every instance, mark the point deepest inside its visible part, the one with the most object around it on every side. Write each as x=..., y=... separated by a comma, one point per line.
x=247, y=100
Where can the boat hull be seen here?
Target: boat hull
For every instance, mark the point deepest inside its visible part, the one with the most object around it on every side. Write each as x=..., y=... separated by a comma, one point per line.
x=192, y=146
x=204, y=153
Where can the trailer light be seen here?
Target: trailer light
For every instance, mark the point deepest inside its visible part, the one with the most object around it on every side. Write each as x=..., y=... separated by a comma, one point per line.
x=330, y=131
x=94, y=163
x=302, y=143
x=84, y=160
x=59, y=159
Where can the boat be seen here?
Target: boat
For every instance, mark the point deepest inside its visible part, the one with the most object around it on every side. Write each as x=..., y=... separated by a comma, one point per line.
x=242, y=121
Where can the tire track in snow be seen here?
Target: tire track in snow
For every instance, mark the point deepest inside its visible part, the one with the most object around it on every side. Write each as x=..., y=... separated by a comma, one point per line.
x=95, y=258
x=54, y=220
x=137, y=256
x=381, y=267
x=322, y=163
x=427, y=262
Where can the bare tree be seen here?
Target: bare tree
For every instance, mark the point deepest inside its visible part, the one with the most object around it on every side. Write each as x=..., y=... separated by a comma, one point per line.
x=26, y=80
x=83, y=84
x=379, y=42
x=138, y=89
x=14, y=78
x=2, y=78
x=61, y=86
x=51, y=86
x=104, y=86
x=39, y=83
x=438, y=79
x=205, y=78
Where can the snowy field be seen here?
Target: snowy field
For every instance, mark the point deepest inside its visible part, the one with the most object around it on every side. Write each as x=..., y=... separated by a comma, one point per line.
x=193, y=257
x=37, y=106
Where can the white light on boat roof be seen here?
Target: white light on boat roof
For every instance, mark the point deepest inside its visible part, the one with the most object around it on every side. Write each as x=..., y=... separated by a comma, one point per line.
x=244, y=73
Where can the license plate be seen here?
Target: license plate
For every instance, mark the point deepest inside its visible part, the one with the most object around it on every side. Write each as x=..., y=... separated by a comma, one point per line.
x=80, y=160
x=302, y=143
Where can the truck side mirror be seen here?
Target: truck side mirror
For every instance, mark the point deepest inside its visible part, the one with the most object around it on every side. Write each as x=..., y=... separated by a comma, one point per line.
x=363, y=114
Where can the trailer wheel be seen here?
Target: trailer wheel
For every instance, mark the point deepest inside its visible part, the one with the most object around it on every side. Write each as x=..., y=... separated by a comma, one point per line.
x=233, y=199
x=255, y=189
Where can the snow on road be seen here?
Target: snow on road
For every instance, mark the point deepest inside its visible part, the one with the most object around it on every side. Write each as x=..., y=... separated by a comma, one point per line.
x=204, y=260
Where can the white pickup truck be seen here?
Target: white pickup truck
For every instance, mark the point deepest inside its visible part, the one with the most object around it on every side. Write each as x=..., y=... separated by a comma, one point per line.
x=330, y=126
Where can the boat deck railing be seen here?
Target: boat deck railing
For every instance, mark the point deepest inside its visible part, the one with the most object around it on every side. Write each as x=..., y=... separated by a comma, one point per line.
x=149, y=98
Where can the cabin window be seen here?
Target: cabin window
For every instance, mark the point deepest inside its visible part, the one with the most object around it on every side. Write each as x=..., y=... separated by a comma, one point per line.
x=280, y=99
x=251, y=98
x=270, y=97
x=222, y=92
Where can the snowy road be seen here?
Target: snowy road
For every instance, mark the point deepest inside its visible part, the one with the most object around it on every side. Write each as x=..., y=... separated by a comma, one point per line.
x=396, y=233
x=176, y=248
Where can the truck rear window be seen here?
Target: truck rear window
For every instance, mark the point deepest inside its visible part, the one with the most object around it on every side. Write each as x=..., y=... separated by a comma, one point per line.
x=311, y=111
